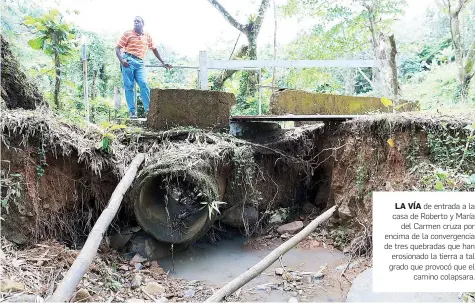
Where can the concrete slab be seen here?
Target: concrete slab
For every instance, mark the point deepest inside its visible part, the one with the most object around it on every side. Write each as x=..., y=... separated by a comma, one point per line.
x=362, y=291
x=305, y=103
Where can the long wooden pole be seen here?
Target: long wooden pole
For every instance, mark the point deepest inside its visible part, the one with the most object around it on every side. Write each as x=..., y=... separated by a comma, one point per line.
x=68, y=285
x=254, y=271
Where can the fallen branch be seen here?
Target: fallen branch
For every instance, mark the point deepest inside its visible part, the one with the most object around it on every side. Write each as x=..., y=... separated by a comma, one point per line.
x=254, y=271
x=68, y=285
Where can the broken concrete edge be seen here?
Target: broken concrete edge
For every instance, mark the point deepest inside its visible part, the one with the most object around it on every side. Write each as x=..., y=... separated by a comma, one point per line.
x=306, y=103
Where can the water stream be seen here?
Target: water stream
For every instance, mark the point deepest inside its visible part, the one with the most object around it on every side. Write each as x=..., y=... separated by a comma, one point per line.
x=220, y=263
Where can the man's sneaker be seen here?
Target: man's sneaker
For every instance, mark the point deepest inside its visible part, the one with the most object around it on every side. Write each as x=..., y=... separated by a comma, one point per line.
x=132, y=116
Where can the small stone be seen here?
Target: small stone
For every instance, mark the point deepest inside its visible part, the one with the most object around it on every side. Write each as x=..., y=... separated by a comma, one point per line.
x=296, y=277
x=81, y=296
x=154, y=289
x=308, y=279
x=341, y=267
x=293, y=300
x=124, y=267
x=154, y=264
x=290, y=228
x=262, y=287
x=288, y=277
x=9, y=285
x=300, y=292
x=279, y=271
x=317, y=276
x=135, y=301
x=189, y=293
x=138, y=266
x=136, y=281
x=285, y=236
x=137, y=259
x=287, y=287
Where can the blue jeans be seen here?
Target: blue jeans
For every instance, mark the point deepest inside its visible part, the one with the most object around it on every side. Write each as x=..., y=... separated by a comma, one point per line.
x=135, y=72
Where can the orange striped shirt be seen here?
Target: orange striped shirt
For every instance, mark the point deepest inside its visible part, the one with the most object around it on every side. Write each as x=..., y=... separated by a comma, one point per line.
x=136, y=44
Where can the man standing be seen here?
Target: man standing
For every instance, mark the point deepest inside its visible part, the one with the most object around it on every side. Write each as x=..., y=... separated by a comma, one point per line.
x=136, y=42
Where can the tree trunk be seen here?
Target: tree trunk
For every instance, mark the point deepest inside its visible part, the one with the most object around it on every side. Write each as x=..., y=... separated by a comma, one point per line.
x=57, y=83
x=68, y=285
x=218, y=81
x=464, y=65
x=393, y=69
x=254, y=271
x=469, y=69
x=350, y=83
x=251, y=30
x=374, y=42
x=93, y=88
x=252, y=55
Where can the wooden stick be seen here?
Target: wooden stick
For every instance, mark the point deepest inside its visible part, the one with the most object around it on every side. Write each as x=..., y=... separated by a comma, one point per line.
x=68, y=285
x=254, y=271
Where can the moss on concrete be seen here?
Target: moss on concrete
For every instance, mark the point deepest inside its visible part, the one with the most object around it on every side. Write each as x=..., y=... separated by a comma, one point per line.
x=305, y=103
x=171, y=108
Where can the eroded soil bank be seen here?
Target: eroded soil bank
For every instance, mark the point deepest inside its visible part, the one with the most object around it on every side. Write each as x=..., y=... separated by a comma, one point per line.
x=56, y=179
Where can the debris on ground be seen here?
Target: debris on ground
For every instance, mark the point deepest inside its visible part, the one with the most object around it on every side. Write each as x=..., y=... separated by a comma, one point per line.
x=37, y=270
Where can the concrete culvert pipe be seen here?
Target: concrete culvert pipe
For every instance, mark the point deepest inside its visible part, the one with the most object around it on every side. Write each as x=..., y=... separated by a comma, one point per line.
x=171, y=204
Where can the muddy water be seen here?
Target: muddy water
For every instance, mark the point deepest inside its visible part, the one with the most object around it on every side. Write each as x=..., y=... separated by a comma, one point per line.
x=219, y=264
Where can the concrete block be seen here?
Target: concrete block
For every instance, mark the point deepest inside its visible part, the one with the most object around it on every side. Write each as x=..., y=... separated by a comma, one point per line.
x=171, y=108
x=305, y=103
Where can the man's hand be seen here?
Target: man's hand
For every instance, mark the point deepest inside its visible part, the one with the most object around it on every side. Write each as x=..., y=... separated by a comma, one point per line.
x=167, y=66
x=125, y=63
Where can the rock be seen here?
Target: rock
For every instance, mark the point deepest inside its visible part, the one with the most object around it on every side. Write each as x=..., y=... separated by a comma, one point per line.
x=317, y=276
x=135, y=301
x=189, y=293
x=276, y=218
x=285, y=236
x=287, y=286
x=279, y=216
x=288, y=277
x=11, y=286
x=234, y=216
x=296, y=277
x=154, y=289
x=149, y=248
x=308, y=279
x=290, y=228
x=138, y=266
x=81, y=296
x=136, y=281
x=279, y=271
x=154, y=264
x=309, y=208
x=137, y=259
x=293, y=300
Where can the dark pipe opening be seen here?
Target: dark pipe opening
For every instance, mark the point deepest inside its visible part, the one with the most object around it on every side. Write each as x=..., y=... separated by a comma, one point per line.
x=173, y=210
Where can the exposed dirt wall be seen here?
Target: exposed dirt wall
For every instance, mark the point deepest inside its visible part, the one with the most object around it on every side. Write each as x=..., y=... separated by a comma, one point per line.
x=17, y=91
